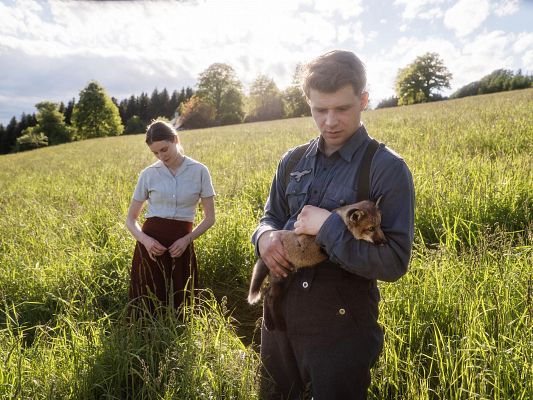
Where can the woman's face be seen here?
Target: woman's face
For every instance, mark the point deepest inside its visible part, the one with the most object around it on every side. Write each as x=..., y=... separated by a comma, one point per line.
x=165, y=151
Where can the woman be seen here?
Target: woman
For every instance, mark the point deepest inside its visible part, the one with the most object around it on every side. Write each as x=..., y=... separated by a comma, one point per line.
x=164, y=262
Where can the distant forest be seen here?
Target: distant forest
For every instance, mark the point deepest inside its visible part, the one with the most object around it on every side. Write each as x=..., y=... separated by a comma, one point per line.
x=145, y=107
x=499, y=80
x=220, y=100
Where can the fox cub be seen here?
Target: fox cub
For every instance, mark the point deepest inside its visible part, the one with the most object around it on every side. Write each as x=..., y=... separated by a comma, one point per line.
x=363, y=220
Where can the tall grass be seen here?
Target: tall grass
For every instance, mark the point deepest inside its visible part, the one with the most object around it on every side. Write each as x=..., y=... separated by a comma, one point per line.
x=457, y=326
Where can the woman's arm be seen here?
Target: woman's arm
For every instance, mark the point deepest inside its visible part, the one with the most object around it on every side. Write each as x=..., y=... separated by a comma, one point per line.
x=153, y=247
x=208, y=206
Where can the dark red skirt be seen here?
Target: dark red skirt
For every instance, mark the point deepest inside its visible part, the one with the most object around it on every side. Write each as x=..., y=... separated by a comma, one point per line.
x=167, y=280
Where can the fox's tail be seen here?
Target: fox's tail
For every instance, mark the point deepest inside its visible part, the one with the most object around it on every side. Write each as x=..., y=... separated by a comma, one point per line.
x=258, y=276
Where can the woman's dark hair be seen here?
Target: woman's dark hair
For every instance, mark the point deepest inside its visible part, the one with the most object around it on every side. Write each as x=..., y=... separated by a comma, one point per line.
x=160, y=130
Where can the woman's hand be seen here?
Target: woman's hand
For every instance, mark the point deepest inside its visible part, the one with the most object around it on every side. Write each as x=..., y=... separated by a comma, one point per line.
x=179, y=246
x=154, y=248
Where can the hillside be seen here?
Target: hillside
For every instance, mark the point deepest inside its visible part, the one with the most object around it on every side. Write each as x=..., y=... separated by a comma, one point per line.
x=459, y=321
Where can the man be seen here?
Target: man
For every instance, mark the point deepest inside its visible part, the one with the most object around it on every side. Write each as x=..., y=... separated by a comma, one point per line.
x=332, y=337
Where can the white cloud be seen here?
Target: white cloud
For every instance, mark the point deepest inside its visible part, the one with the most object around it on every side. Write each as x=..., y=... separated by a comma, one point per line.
x=482, y=55
x=352, y=35
x=506, y=7
x=527, y=61
x=347, y=9
x=467, y=62
x=382, y=68
x=465, y=16
x=134, y=46
x=423, y=9
x=432, y=13
x=523, y=42
x=51, y=49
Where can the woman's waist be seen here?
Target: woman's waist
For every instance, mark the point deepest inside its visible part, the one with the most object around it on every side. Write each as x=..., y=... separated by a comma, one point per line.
x=166, y=230
x=177, y=214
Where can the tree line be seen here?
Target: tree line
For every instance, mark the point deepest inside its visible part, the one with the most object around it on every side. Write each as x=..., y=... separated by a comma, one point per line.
x=220, y=100
x=96, y=114
x=421, y=81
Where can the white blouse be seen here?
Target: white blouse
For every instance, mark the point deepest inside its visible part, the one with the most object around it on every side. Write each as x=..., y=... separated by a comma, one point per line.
x=173, y=197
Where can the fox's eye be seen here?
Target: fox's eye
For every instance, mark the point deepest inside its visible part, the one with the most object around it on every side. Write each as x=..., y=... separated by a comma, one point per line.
x=371, y=229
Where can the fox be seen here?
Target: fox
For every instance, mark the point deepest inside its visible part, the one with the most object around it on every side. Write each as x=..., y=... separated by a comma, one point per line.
x=362, y=219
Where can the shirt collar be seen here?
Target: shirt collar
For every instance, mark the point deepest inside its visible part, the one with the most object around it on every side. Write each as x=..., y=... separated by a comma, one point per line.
x=159, y=163
x=349, y=148
x=186, y=162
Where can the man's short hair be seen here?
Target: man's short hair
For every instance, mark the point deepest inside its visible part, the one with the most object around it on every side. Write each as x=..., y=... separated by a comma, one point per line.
x=332, y=71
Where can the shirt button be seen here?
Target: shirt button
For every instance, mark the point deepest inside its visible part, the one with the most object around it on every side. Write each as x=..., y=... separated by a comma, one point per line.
x=342, y=311
x=305, y=285
x=342, y=202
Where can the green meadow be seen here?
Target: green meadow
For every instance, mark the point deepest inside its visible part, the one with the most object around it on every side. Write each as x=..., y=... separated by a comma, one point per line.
x=459, y=325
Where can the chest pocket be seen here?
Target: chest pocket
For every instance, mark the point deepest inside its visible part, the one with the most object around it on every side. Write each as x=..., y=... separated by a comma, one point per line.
x=297, y=193
x=337, y=196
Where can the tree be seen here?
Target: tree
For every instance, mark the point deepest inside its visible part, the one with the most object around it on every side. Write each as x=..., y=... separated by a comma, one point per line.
x=265, y=102
x=9, y=138
x=26, y=121
x=68, y=112
x=156, y=105
x=219, y=86
x=96, y=115
x=142, y=107
x=196, y=113
x=31, y=139
x=2, y=138
x=471, y=89
x=134, y=125
x=294, y=97
x=51, y=123
x=497, y=81
x=418, y=82
x=388, y=102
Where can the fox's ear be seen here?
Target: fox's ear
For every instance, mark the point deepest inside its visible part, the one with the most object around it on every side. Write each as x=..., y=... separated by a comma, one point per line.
x=356, y=215
x=378, y=200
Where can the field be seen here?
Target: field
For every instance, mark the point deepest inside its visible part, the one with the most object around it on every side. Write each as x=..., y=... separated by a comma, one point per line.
x=457, y=326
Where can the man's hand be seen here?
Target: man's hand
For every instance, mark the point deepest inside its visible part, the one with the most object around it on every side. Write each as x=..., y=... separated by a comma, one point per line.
x=310, y=220
x=273, y=253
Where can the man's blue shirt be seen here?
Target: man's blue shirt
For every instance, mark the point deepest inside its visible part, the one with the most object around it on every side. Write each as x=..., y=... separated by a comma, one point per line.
x=330, y=182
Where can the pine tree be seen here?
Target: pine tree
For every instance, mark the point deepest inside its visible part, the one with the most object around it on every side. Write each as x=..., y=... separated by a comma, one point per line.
x=68, y=112
x=142, y=111
x=10, y=136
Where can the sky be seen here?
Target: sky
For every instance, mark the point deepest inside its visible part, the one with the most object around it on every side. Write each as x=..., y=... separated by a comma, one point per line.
x=50, y=50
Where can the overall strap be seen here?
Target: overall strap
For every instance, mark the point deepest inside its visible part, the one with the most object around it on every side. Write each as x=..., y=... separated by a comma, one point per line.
x=363, y=184
x=294, y=158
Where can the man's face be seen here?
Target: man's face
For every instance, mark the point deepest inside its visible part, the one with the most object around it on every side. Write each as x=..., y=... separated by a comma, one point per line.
x=337, y=115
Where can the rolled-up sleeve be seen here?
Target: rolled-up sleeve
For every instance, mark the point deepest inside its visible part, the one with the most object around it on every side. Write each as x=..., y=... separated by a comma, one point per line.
x=391, y=179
